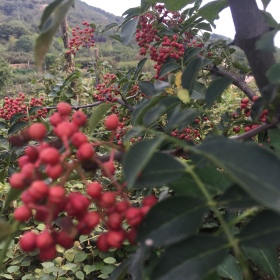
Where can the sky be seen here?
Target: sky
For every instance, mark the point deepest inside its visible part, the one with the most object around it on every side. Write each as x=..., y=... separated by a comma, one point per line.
x=224, y=25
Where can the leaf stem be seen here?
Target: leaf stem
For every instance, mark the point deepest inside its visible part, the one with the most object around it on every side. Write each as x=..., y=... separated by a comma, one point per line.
x=231, y=238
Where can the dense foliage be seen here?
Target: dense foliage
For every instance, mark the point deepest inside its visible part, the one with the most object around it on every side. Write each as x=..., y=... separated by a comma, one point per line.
x=171, y=174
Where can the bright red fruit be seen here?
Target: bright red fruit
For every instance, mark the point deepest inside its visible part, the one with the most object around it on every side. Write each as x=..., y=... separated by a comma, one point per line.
x=28, y=241
x=64, y=109
x=112, y=122
x=37, y=131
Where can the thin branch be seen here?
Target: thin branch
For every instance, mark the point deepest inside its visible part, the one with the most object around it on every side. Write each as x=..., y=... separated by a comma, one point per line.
x=253, y=132
x=237, y=81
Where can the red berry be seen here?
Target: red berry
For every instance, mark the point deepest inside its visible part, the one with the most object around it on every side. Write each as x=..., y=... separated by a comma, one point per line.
x=50, y=156
x=44, y=240
x=88, y=223
x=28, y=241
x=38, y=190
x=22, y=213
x=37, y=131
x=55, y=119
x=134, y=216
x=122, y=206
x=54, y=171
x=78, y=139
x=65, y=129
x=109, y=167
x=116, y=238
x=56, y=194
x=107, y=199
x=255, y=97
x=79, y=118
x=18, y=181
x=85, y=152
x=114, y=221
x=48, y=253
x=94, y=190
x=64, y=240
x=149, y=200
x=112, y=122
x=102, y=243
x=64, y=109
x=32, y=153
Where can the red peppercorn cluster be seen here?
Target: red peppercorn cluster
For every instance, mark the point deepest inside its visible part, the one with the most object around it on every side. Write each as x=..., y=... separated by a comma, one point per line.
x=187, y=134
x=245, y=107
x=17, y=105
x=81, y=38
x=108, y=90
x=44, y=171
x=168, y=46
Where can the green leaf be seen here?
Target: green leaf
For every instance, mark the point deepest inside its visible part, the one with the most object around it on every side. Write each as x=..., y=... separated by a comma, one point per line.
x=13, y=268
x=171, y=220
x=5, y=230
x=235, y=198
x=274, y=136
x=140, y=66
x=109, y=26
x=193, y=257
x=13, y=194
x=16, y=127
x=34, y=109
x=120, y=273
x=168, y=68
x=128, y=30
x=182, y=118
x=273, y=73
x=215, y=182
x=253, y=168
x=137, y=158
x=215, y=90
x=80, y=275
x=262, y=231
x=51, y=19
x=2, y=125
x=109, y=260
x=211, y=10
x=230, y=269
x=147, y=88
x=97, y=115
x=190, y=74
x=266, y=259
x=266, y=42
x=161, y=169
x=89, y=268
x=17, y=116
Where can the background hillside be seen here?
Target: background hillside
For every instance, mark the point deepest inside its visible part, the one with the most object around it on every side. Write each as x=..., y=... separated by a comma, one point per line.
x=19, y=21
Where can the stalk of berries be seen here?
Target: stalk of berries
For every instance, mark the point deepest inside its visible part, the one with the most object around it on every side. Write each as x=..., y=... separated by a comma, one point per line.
x=81, y=38
x=44, y=172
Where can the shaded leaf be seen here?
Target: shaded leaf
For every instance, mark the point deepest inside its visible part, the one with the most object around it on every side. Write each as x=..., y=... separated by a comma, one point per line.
x=139, y=67
x=215, y=90
x=5, y=230
x=253, y=168
x=161, y=169
x=171, y=220
x=211, y=10
x=128, y=30
x=147, y=88
x=16, y=117
x=190, y=74
x=230, y=269
x=137, y=158
x=262, y=231
x=168, y=68
x=266, y=42
x=51, y=19
x=174, y=5
x=193, y=257
x=97, y=115
x=266, y=259
x=120, y=271
x=16, y=127
x=273, y=73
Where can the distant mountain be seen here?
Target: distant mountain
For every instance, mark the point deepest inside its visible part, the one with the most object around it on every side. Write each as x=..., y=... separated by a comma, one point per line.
x=19, y=21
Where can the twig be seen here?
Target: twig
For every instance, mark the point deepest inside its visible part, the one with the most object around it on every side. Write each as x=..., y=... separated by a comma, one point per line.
x=235, y=80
